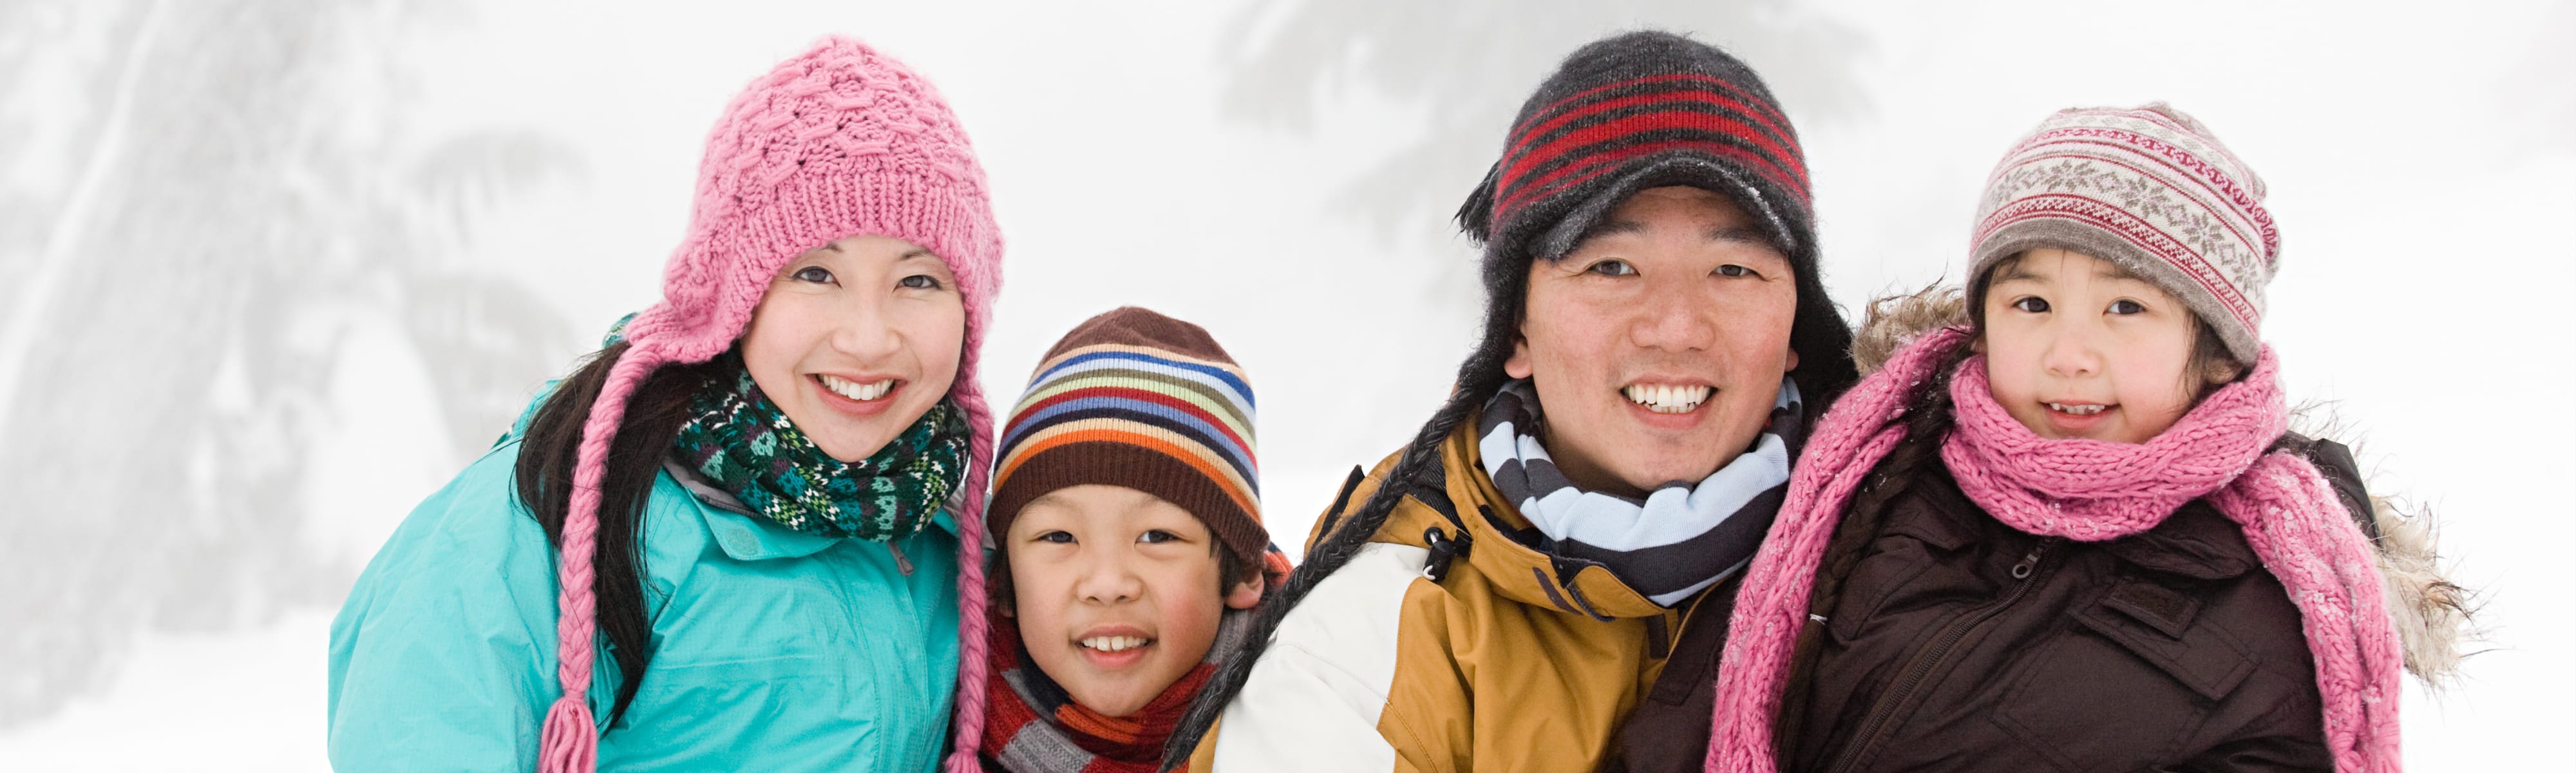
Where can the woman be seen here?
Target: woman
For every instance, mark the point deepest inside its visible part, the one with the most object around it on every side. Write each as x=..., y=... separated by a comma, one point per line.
x=750, y=505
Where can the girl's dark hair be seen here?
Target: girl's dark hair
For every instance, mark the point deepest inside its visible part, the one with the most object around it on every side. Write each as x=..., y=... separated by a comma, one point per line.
x=548, y=452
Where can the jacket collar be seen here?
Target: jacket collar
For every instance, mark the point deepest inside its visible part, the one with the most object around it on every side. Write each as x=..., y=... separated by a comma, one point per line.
x=2195, y=541
x=1505, y=547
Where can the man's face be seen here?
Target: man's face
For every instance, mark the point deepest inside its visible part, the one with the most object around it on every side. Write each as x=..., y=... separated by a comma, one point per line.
x=1658, y=344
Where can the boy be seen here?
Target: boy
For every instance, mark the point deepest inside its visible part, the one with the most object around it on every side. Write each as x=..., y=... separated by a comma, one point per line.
x=1126, y=504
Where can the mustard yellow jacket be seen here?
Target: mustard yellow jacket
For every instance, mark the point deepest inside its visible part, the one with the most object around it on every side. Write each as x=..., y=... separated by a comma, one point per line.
x=1515, y=660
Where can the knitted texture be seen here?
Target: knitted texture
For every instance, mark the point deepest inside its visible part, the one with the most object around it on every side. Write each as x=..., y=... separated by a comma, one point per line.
x=2290, y=516
x=1034, y=726
x=2094, y=490
x=746, y=445
x=2147, y=188
x=1681, y=538
x=836, y=142
x=1642, y=110
x=1137, y=399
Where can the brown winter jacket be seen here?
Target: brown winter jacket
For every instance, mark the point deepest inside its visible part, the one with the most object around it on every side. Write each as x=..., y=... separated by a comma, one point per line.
x=1959, y=643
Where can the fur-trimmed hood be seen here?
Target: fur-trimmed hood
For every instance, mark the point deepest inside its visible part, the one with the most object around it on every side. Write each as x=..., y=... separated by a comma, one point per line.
x=2432, y=614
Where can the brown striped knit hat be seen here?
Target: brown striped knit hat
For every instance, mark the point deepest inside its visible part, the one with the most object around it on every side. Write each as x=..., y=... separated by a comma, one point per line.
x=1641, y=110
x=2147, y=188
x=1137, y=399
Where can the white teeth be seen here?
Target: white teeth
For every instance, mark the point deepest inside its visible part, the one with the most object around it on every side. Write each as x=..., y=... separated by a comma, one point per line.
x=855, y=391
x=1114, y=643
x=1667, y=399
x=2076, y=410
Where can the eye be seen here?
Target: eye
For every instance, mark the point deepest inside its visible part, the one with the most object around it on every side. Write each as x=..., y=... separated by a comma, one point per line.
x=1157, y=537
x=815, y=274
x=1058, y=537
x=1731, y=269
x=919, y=282
x=1613, y=267
x=2031, y=304
x=2125, y=307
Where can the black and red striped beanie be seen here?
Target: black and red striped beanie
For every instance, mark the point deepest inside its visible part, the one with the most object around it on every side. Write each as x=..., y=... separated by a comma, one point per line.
x=1642, y=110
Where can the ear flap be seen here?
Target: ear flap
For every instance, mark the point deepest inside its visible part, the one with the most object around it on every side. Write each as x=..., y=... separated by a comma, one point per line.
x=1476, y=217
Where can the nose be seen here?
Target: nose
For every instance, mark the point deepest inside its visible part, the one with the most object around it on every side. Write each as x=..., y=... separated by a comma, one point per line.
x=2074, y=351
x=1675, y=316
x=1107, y=580
x=867, y=330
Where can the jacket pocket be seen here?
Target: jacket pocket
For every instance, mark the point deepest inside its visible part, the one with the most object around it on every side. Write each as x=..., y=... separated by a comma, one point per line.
x=2125, y=685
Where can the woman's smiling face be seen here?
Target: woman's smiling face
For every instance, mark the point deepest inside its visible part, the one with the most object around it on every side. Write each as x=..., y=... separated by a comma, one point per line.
x=857, y=339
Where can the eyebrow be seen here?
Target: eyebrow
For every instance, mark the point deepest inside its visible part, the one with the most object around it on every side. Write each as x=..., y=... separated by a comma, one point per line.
x=1740, y=233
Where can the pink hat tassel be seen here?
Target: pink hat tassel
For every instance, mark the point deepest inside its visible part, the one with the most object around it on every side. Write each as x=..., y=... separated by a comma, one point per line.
x=570, y=743
x=971, y=603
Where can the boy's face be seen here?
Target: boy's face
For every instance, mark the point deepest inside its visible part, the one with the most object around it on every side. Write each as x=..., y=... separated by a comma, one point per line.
x=1116, y=592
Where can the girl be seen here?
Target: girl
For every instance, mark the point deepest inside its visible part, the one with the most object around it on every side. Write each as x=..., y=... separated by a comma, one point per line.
x=749, y=508
x=2074, y=533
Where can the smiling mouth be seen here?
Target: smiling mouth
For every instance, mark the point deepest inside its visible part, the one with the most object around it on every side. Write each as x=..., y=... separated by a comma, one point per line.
x=1114, y=643
x=1665, y=398
x=2077, y=409
x=855, y=390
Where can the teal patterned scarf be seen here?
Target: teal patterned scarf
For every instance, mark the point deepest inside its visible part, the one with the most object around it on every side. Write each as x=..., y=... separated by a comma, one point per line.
x=741, y=441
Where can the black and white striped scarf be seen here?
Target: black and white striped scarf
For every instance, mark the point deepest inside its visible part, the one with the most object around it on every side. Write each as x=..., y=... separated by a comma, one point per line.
x=1681, y=538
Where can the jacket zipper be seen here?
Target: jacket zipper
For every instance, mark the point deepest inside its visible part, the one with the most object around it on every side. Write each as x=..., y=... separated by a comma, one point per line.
x=2032, y=569
x=902, y=563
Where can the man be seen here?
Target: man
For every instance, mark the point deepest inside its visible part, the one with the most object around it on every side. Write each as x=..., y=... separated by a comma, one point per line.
x=1552, y=558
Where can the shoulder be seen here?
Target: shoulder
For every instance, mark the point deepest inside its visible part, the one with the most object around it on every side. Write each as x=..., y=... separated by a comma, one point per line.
x=477, y=531
x=1320, y=695
x=1354, y=615
x=475, y=523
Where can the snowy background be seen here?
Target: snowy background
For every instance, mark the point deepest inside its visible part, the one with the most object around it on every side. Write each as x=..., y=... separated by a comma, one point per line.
x=276, y=270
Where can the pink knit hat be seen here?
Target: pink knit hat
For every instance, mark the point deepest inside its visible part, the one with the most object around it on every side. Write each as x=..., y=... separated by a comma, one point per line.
x=839, y=141
x=2148, y=188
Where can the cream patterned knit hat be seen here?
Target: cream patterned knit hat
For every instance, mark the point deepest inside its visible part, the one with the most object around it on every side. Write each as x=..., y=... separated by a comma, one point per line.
x=2147, y=188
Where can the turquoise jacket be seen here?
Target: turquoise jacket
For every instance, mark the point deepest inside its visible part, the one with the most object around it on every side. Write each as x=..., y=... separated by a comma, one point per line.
x=774, y=650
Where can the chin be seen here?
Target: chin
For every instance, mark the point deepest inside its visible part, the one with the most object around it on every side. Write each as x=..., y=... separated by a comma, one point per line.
x=1114, y=705
x=841, y=444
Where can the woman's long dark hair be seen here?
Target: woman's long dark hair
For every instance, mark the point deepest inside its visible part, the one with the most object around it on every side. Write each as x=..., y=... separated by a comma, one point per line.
x=549, y=451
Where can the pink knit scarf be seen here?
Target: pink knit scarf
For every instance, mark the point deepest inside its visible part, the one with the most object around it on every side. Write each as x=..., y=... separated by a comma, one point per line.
x=2083, y=490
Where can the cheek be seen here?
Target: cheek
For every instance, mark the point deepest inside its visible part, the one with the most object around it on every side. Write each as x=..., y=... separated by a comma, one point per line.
x=2012, y=368
x=2156, y=389
x=1565, y=339
x=936, y=333
x=1191, y=610
x=1758, y=331
x=782, y=331
x=1035, y=591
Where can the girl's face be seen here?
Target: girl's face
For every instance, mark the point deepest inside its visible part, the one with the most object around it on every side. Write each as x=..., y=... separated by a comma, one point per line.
x=2078, y=347
x=856, y=340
